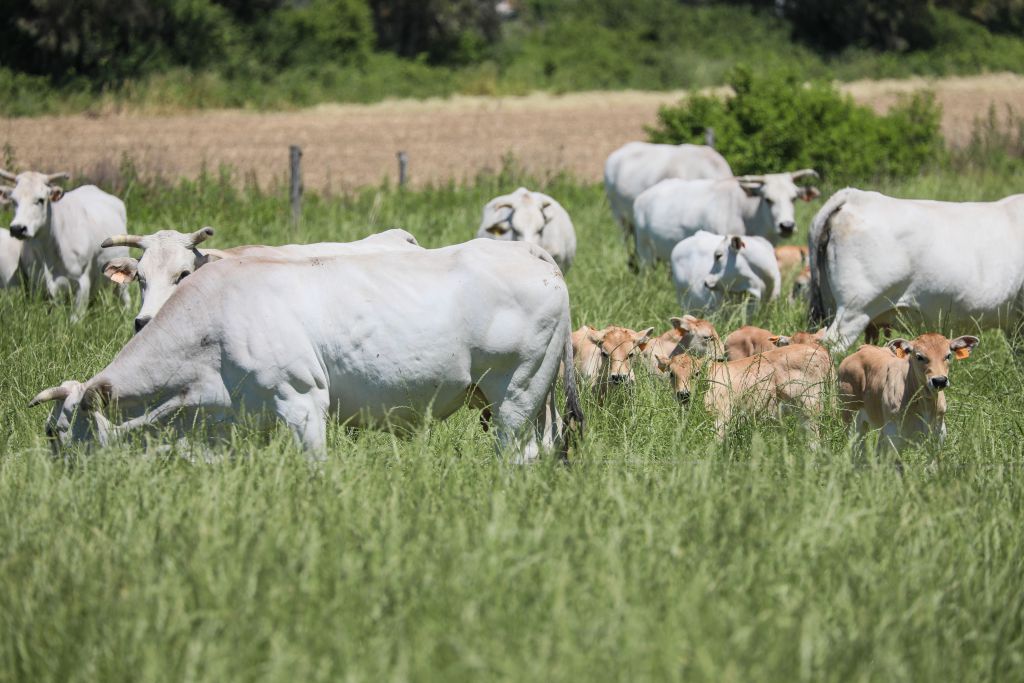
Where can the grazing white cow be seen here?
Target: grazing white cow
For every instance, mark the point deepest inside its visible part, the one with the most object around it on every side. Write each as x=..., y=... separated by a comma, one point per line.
x=525, y=216
x=636, y=166
x=876, y=259
x=388, y=337
x=899, y=388
x=708, y=268
x=10, y=253
x=61, y=234
x=674, y=209
x=169, y=256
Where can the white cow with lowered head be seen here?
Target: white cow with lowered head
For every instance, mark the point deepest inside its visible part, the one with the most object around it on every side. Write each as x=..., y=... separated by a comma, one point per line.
x=61, y=233
x=169, y=256
x=533, y=217
x=636, y=166
x=759, y=205
x=708, y=269
x=377, y=338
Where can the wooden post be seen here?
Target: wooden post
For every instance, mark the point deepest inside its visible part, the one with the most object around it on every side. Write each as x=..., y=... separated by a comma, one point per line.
x=295, y=166
x=709, y=137
x=403, y=168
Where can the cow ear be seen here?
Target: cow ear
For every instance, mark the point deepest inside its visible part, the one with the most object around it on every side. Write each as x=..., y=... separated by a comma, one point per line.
x=596, y=337
x=5, y=194
x=662, y=362
x=751, y=189
x=56, y=193
x=780, y=340
x=962, y=346
x=121, y=270
x=497, y=230
x=820, y=334
x=737, y=242
x=642, y=339
x=901, y=347
x=809, y=193
x=684, y=324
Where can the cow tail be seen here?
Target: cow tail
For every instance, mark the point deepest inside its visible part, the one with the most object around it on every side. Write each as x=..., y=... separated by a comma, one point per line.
x=573, y=420
x=817, y=248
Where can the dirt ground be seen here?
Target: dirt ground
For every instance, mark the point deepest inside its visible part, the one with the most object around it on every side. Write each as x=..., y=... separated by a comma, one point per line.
x=348, y=146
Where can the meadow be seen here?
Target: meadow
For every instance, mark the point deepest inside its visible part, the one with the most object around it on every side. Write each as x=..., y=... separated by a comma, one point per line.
x=658, y=553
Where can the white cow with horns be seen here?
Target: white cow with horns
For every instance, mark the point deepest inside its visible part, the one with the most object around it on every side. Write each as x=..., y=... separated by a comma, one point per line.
x=877, y=259
x=759, y=205
x=370, y=338
x=61, y=233
x=169, y=256
x=534, y=217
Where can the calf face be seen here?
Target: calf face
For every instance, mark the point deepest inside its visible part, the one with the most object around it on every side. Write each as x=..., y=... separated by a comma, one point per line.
x=618, y=346
x=683, y=370
x=168, y=257
x=520, y=218
x=777, y=192
x=929, y=356
x=32, y=195
x=730, y=272
x=698, y=336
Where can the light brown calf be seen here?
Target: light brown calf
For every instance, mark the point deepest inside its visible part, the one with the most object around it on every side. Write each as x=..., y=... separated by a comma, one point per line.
x=800, y=338
x=781, y=379
x=749, y=340
x=688, y=334
x=801, y=285
x=606, y=356
x=898, y=388
x=791, y=258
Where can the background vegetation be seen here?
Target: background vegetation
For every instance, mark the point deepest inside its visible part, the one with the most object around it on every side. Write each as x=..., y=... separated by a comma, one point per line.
x=65, y=56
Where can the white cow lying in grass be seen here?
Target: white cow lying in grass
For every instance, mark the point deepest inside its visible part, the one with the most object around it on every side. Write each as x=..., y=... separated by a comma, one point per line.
x=169, y=256
x=532, y=217
x=61, y=234
x=370, y=338
x=674, y=209
x=708, y=269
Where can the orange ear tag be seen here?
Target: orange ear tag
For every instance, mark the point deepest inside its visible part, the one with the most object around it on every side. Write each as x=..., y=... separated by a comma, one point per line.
x=962, y=352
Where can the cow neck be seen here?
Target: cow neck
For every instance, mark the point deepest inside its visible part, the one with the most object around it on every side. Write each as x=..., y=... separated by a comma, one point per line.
x=757, y=217
x=917, y=398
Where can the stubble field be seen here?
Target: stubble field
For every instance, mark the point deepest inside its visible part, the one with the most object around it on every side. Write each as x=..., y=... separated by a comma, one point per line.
x=660, y=553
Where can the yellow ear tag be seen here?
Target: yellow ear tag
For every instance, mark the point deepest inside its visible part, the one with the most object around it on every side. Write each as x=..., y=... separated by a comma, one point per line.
x=900, y=353
x=962, y=352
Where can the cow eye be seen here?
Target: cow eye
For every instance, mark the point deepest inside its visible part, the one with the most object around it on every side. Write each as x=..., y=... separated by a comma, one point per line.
x=920, y=357
x=948, y=356
x=718, y=256
x=604, y=353
x=40, y=201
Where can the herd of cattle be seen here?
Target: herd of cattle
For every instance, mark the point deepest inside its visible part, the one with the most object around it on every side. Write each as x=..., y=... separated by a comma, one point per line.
x=385, y=331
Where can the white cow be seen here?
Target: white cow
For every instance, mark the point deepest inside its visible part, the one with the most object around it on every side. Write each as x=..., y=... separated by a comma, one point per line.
x=876, y=259
x=636, y=166
x=674, y=209
x=533, y=217
x=708, y=269
x=10, y=253
x=169, y=256
x=62, y=232
x=376, y=338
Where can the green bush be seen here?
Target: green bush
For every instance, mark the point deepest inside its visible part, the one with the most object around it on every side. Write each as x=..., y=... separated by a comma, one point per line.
x=772, y=123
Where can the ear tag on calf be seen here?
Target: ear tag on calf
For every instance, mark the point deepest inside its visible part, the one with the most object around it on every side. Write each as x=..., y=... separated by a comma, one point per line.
x=962, y=352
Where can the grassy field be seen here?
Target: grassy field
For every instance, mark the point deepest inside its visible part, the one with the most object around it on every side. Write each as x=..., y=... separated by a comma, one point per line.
x=661, y=553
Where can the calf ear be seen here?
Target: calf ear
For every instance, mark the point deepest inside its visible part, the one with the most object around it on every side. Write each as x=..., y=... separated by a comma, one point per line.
x=497, y=229
x=684, y=324
x=809, y=193
x=962, y=346
x=642, y=339
x=662, y=362
x=121, y=270
x=737, y=242
x=5, y=194
x=780, y=340
x=596, y=337
x=56, y=193
x=901, y=347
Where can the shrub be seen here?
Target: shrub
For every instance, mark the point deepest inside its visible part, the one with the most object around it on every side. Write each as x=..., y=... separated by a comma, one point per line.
x=776, y=122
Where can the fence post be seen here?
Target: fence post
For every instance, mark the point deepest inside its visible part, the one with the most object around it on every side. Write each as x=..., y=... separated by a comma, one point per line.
x=709, y=137
x=295, y=167
x=403, y=168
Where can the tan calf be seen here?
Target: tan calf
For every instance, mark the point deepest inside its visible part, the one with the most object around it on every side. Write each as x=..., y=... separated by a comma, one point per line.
x=780, y=379
x=800, y=338
x=747, y=341
x=606, y=356
x=791, y=257
x=688, y=334
x=898, y=388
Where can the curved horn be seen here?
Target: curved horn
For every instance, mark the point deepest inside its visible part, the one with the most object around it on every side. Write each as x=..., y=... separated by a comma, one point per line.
x=201, y=235
x=750, y=179
x=123, y=241
x=7, y=175
x=797, y=175
x=51, y=394
x=63, y=175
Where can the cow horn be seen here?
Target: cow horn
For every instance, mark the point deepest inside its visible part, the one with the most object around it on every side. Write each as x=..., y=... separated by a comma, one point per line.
x=51, y=394
x=504, y=205
x=797, y=175
x=7, y=175
x=63, y=175
x=123, y=241
x=201, y=235
x=750, y=179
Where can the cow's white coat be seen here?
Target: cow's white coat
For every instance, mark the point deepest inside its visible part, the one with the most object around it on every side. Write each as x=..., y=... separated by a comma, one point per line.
x=708, y=269
x=533, y=217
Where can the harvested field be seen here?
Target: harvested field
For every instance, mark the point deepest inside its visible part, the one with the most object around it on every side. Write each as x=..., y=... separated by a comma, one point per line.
x=348, y=146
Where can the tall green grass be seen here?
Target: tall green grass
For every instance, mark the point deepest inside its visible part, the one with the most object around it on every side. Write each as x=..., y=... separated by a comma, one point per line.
x=661, y=553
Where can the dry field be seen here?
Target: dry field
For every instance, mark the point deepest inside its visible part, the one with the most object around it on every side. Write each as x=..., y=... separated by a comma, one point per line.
x=347, y=146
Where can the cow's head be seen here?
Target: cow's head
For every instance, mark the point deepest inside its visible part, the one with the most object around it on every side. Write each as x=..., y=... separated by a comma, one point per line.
x=698, y=336
x=168, y=257
x=519, y=217
x=777, y=192
x=799, y=338
x=731, y=272
x=618, y=346
x=929, y=356
x=32, y=194
x=684, y=370
x=74, y=404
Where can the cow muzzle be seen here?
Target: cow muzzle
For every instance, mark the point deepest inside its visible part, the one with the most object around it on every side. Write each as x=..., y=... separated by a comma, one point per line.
x=141, y=322
x=19, y=232
x=938, y=382
x=786, y=228
x=683, y=396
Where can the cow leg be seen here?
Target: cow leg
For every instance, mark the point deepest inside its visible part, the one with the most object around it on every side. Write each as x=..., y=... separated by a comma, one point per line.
x=305, y=413
x=845, y=329
x=81, y=303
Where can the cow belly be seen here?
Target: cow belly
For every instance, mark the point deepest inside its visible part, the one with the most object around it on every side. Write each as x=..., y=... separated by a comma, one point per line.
x=358, y=402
